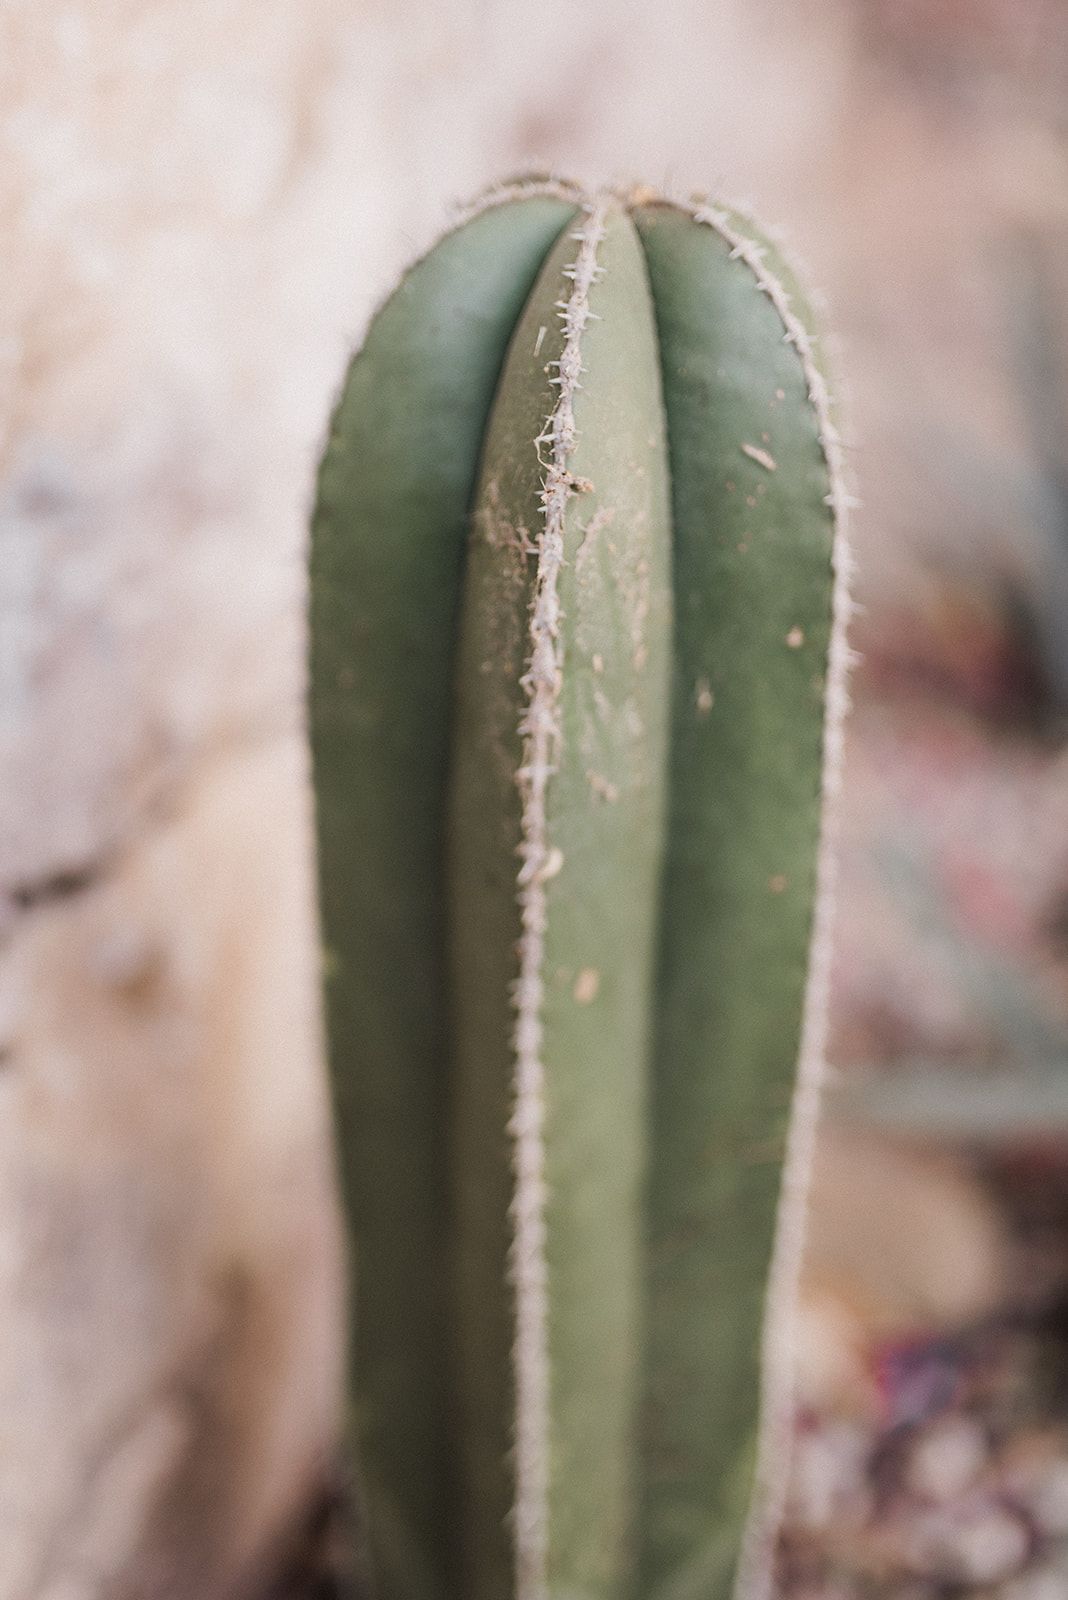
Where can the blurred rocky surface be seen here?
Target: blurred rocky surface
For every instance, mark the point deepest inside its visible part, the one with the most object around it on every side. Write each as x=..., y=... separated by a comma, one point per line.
x=930, y=1446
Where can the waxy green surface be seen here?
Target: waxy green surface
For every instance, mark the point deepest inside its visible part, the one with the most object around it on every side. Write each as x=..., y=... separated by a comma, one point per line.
x=388, y=537
x=753, y=617
x=686, y=807
x=606, y=809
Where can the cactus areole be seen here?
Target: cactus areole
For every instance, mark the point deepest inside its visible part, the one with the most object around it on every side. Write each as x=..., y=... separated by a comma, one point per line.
x=577, y=672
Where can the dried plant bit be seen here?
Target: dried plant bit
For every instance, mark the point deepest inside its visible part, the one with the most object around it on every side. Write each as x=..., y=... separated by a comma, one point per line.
x=1046, y=1580
x=971, y=1502
x=829, y=1476
x=979, y=1543
x=945, y=1459
x=1033, y=1470
x=918, y=1378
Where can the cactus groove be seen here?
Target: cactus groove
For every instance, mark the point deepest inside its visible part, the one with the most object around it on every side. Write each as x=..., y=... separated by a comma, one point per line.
x=577, y=676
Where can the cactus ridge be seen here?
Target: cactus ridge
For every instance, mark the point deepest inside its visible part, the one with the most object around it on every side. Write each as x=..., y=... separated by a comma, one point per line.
x=584, y=817
x=617, y=1483
x=754, y=1577
x=540, y=731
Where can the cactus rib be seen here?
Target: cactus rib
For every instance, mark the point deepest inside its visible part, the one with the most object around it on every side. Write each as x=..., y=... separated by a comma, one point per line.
x=599, y=832
x=754, y=1572
x=394, y=494
x=540, y=732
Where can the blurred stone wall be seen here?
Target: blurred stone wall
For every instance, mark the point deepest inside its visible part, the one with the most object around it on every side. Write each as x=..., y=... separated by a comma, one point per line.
x=199, y=205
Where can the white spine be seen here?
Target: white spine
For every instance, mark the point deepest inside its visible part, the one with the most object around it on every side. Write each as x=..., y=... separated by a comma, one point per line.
x=539, y=728
x=503, y=194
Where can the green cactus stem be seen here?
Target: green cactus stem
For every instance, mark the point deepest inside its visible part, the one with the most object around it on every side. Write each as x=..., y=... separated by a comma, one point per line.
x=577, y=677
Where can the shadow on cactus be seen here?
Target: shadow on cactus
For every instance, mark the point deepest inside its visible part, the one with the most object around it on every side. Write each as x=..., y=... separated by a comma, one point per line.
x=572, y=605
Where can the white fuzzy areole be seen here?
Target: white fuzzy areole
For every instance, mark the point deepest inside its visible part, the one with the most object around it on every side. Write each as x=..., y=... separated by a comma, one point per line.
x=755, y=1574
x=539, y=729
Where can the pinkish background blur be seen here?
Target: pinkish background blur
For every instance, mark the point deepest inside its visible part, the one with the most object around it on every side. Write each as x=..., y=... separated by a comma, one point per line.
x=200, y=203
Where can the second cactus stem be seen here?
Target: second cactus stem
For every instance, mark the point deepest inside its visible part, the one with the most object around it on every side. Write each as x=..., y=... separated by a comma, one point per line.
x=577, y=677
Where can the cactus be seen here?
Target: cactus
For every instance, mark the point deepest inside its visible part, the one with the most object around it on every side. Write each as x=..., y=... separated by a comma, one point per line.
x=576, y=581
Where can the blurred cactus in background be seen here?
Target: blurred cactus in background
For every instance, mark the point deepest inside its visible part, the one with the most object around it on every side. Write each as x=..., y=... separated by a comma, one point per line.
x=931, y=1446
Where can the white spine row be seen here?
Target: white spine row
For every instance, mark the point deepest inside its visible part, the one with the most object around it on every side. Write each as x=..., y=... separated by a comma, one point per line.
x=755, y=1574
x=503, y=194
x=540, y=733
